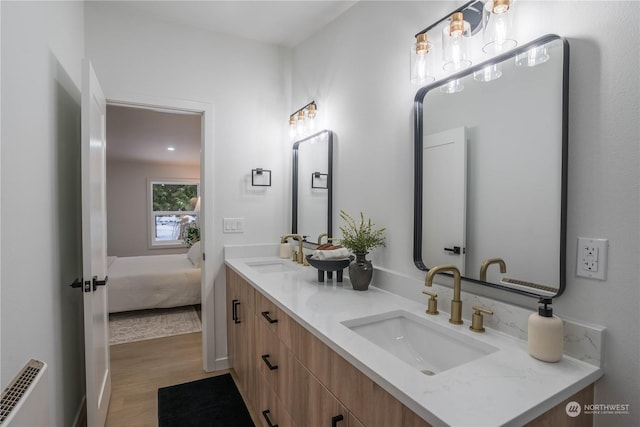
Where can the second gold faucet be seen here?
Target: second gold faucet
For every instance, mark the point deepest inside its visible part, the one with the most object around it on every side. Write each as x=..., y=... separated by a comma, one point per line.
x=487, y=263
x=456, y=302
x=298, y=257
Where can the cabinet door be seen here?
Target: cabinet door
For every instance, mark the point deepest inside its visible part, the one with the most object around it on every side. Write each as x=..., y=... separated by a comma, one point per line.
x=240, y=330
x=320, y=407
x=270, y=408
x=411, y=419
x=369, y=402
x=354, y=422
x=231, y=318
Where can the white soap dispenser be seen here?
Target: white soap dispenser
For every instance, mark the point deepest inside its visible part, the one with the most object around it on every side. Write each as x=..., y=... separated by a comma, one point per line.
x=546, y=333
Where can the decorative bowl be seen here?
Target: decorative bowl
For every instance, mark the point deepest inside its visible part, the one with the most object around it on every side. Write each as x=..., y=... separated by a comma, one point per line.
x=329, y=265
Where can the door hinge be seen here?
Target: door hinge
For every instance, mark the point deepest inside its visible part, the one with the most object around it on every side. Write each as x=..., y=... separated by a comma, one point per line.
x=203, y=256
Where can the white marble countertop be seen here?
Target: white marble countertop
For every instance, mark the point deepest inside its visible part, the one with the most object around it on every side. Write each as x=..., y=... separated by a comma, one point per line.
x=506, y=387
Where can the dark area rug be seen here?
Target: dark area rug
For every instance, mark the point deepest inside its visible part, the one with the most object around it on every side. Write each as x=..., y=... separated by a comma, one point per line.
x=211, y=402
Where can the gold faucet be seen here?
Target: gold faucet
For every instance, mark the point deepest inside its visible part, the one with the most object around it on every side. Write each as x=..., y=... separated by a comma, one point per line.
x=321, y=236
x=299, y=257
x=456, y=303
x=487, y=262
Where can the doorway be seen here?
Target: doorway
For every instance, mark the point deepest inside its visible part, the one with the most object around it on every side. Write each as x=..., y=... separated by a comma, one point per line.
x=180, y=110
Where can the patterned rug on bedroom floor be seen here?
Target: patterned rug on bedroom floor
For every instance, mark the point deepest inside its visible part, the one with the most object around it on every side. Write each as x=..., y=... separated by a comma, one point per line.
x=149, y=324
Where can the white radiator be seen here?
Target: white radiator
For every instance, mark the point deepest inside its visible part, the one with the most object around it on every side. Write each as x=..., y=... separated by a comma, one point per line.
x=25, y=401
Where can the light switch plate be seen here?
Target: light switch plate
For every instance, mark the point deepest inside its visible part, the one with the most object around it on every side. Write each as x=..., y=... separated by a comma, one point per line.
x=592, y=258
x=233, y=225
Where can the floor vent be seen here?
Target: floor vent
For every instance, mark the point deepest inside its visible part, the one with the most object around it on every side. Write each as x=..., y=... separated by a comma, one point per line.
x=14, y=395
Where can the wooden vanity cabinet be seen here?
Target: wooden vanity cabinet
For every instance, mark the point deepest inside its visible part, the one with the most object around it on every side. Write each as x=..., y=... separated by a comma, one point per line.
x=311, y=384
x=298, y=379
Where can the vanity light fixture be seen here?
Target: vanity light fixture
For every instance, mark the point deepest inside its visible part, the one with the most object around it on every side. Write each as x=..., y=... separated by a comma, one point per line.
x=462, y=43
x=171, y=148
x=303, y=121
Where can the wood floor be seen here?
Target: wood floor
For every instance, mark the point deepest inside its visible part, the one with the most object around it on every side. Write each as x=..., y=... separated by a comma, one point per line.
x=138, y=369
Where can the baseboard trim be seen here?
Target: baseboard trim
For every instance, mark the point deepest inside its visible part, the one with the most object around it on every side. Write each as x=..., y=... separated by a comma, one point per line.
x=222, y=363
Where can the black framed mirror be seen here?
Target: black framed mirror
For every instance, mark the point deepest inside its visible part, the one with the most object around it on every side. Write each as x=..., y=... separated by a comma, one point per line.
x=312, y=188
x=490, y=190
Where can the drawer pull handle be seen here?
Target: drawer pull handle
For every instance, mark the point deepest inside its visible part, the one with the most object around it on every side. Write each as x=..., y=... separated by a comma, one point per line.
x=335, y=420
x=265, y=414
x=265, y=359
x=265, y=314
x=236, y=303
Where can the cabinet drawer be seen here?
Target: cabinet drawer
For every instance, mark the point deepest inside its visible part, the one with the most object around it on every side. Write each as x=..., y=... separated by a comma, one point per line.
x=267, y=354
x=276, y=363
x=270, y=408
x=268, y=313
x=275, y=319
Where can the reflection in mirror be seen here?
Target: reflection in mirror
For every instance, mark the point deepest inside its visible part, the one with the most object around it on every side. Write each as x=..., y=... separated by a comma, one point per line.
x=312, y=187
x=490, y=172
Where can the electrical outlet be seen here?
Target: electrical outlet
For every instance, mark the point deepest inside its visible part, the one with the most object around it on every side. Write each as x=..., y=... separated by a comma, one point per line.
x=592, y=258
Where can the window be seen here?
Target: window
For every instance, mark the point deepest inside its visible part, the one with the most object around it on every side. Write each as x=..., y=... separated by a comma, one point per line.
x=173, y=207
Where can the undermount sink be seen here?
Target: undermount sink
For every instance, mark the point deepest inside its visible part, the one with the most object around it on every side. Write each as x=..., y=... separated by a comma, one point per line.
x=276, y=266
x=427, y=346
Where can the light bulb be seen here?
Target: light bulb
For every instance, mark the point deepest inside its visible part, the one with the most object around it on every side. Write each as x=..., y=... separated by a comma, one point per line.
x=454, y=43
x=292, y=128
x=301, y=127
x=311, y=125
x=496, y=27
x=420, y=72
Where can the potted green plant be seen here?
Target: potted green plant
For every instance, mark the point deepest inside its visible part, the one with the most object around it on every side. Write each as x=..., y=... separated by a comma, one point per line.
x=191, y=234
x=360, y=239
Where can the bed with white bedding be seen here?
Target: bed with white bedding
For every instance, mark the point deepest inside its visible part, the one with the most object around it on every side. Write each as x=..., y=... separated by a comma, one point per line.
x=155, y=281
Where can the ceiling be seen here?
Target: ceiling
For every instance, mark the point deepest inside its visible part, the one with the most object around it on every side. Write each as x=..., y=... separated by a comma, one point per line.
x=143, y=135
x=283, y=23
x=137, y=134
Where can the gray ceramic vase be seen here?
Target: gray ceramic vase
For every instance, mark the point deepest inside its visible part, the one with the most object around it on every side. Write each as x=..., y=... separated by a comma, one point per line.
x=360, y=272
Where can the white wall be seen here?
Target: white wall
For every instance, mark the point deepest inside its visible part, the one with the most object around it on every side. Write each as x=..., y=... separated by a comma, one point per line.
x=357, y=69
x=128, y=204
x=42, y=47
x=248, y=84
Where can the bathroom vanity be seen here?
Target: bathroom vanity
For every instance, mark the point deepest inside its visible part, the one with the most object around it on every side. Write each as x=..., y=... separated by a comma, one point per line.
x=309, y=353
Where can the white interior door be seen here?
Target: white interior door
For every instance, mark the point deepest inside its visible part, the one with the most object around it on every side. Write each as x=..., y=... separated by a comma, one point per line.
x=444, y=198
x=94, y=248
